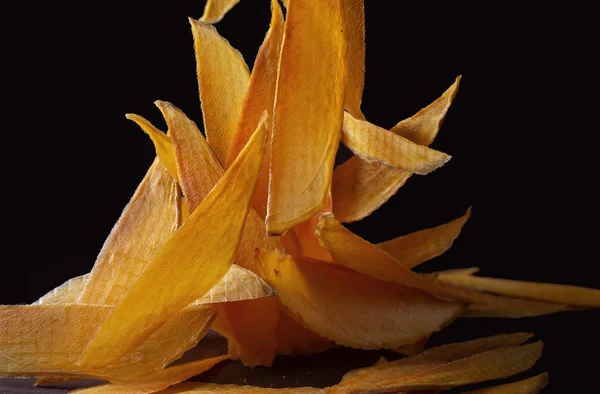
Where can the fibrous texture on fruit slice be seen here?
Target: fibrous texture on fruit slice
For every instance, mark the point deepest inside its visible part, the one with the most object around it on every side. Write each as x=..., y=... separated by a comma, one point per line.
x=308, y=112
x=293, y=339
x=422, y=374
x=159, y=380
x=260, y=96
x=351, y=309
x=554, y=293
x=528, y=386
x=354, y=13
x=305, y=234
x=147, y=222
x=416, y=248
x=360, y=187
x=374, y=143
x=207, y=388
x=215, y=10
x=239, y=284
x=161, y=141
x=67, y=293
x=223, y=80
x=194, y=259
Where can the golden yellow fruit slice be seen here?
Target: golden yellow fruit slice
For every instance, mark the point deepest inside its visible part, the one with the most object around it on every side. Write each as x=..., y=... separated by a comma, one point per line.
x=239, y=284
x=149, y=220
x=354, y=13
x=527, y=386
x=67, y=293
x=309, y=243
x=554, y=293
x=159, y=380
x=293, y=339
x=416, y=248
x=162, y=143
x=223, y=80
x=215, y=10
x=308, y=112
x=360, y=187
x=207, y=388
x=351, y=309
x=260, y=97
x=374, y=143
x=418, y=374
x=194, y=259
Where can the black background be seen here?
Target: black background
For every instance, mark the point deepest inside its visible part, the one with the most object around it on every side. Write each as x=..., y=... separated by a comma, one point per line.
x=521, y=132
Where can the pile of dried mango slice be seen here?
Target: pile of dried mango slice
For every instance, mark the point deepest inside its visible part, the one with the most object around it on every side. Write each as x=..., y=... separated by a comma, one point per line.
x=242, y=233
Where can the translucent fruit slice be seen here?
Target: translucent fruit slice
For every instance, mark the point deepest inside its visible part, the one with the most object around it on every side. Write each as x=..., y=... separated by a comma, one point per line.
x=308, y=112
x=67, y=293
x=194, y=259
x=215, y=10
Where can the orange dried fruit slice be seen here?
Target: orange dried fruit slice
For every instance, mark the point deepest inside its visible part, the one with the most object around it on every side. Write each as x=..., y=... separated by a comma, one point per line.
x=360, y=187
x=421, y=374
x=67, y=293
x=215, y=10
x=351, y=309
x=207, y=388
x=260, y=96
x=532, y=385
x=413, y=249
x=354, y=13
x=159, y=380
x=185, y=267
x=308, y=112
x=222, y=80
x=149, y=220
x=374, y=143
x=548, y=292
x=293, y=339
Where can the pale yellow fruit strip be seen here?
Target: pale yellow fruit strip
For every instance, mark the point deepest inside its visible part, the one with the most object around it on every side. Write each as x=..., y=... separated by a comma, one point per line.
x=260, y=96
x=555, y=293
x=528, y=386
x=374, y=143
x=159, y=380
x=67, y=293
x=239, y=284
x=223, y=80
x=352, y=309
x=192, y=261
x=147, y=222
x=161, y=141
x=416, y=374
x=418, y=247
x=215, y=10
x=308, y=112
x=360, y=187
x=354, y=12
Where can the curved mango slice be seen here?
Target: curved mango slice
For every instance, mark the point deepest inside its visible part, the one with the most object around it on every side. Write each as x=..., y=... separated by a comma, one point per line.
x=418, y=374
x=360, y=187
x=208, y=388
x=293, y=339
x=161, y=141
x=67, y=293
x=147, y=222
x=418, y=247
x=222, y=80
x=185, y=267
x=351, y=309
x=215, y=10
x=528, y=386
x=549, y=292
x=159, y=380
x=303, y=146
x=239, y=284
x=354, y=13
x=374, y=143
x=260, y=96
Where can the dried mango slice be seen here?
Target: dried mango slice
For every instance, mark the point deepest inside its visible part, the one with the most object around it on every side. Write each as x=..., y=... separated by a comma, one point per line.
x=305, y=233
x=239, y=284
x=354, y=13
x=360, y=187
x=528, y=386
x=416, y=248
x=196, y=387
x=162, y=143
x=223, y=80
x=215, y=10
x=159, y=380
x=414, y=374
x=303, y=146
x=185, y=267
x=260, y=96
x=411, y=350
x=554, y=293
x=293, y=339
x=374, y=143
x=67, y=293
x=149, y=220
x=351, y=309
